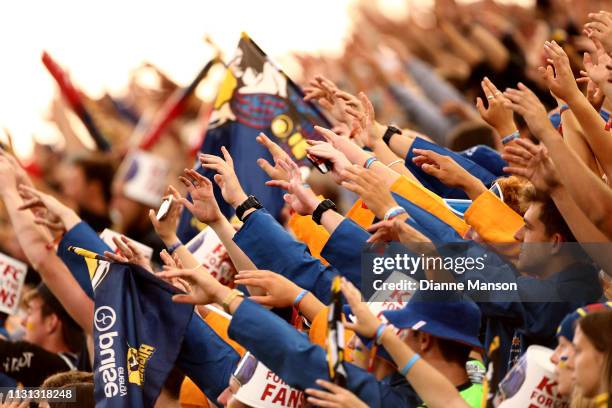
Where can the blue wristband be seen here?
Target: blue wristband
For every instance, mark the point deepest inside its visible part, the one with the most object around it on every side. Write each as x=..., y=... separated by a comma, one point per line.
x=405, y=369
x=394, y=212
x=379, y=332
x=369, y=162
x=174, y=247
x=511, y=137
x=299, y=297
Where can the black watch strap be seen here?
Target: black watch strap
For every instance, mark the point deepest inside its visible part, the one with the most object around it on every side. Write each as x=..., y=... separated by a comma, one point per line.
x=391, y=130
x=323, y=206
x=250, y=202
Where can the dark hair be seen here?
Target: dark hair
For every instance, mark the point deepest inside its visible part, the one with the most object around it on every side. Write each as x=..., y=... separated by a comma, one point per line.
x=96, y=168
x=597, y=328
x=67, y=378
x=453, y=351
x=469, y=134
x=71, y=332
x=553, y=221
x=84, y=393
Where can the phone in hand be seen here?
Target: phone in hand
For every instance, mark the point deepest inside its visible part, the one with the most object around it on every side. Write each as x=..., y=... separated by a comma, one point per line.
x=164, y=208
x=323, y=166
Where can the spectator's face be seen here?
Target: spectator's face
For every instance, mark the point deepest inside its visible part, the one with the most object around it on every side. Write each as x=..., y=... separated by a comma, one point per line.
x=533, y=237
x=564, y=351
x=34, y=322
x=73, y=183
x=587, y=364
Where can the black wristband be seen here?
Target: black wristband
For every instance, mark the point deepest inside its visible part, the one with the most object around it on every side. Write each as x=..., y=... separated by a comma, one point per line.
x=250, y=202
x=391, y=130
x=323, y=206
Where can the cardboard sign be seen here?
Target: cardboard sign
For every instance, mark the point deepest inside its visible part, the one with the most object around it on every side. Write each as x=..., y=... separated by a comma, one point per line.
x=145, y=177
x=108, y=234
x=12, y=276
x=264, y=389
x=383, y=300
x=531, y=382
x=207, y=248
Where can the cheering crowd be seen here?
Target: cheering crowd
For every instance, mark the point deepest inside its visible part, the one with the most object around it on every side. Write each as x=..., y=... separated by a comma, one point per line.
x=470, y=132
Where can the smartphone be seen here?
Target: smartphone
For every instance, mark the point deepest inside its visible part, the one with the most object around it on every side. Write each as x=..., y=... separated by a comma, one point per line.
x=323, y=166
x=164, y=208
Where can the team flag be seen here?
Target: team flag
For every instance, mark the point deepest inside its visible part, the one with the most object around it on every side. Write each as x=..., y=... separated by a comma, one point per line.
x=255, y=96
x=134, y=350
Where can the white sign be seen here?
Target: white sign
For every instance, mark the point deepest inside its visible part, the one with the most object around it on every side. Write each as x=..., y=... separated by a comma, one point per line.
x=531, y=382
x=207, y=248
x=384, y=300
x=108, y=234
x=264, y=389
x=145, y=178
x=12, y=276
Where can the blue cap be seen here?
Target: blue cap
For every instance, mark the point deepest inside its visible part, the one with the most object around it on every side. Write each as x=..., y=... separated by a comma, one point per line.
x=567, y=326
x=443, y=314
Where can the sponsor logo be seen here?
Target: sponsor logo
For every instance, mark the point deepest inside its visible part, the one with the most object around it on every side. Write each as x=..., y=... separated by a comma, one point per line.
x=136, y=362
x=113, y=379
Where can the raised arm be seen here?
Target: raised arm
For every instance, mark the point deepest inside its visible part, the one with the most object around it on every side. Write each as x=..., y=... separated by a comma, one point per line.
x=42, y=258
x=431, y=385
x=591, y=194
x=562, y=83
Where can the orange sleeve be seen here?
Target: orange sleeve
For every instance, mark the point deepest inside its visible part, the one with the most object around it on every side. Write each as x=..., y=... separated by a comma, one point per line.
x=220, y=325
x=318, y=333
x=315, y=236
x=495, y=222
x=428, y=201
x=190, y=396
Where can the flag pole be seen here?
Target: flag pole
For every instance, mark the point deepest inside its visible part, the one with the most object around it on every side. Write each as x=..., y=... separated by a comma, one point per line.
x=75, y=101
x=174, y=106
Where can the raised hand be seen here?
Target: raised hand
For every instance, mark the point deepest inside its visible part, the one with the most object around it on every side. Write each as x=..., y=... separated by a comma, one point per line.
x=352, y=152
x=496, y=113
x=524, y=102
x=445, y=169
x=226, y=176
x=204, y=206
x=275, y=172
x=395, y=230
x=128, y=252
x=301, y=198
x=595, y=67
x=370, y=187
x=324, y=92
x=174, y=262
x=166, y=228
x=335, y=396
x=279, y=291
x=600, y=28
x=532, y=162
x=366, y=322
x=371, y=132
x=326, y=151
x=20, y=173
x=203, y=288
x=559, y=76
x=48, y=211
